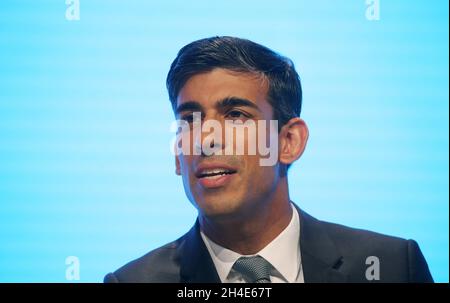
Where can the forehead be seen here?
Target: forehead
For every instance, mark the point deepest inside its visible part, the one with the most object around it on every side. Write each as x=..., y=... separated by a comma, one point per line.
x=208, y=88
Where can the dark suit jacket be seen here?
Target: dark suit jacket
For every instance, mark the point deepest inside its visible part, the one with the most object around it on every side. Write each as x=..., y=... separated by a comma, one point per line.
x=329, y=253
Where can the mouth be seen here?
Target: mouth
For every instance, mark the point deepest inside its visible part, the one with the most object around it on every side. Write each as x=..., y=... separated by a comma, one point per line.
x=213, y=177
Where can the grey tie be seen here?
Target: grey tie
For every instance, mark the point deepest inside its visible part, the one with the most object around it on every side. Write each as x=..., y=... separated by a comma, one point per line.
x=255, y=268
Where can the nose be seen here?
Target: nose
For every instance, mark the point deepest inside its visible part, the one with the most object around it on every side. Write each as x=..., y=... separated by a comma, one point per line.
x=209, y=140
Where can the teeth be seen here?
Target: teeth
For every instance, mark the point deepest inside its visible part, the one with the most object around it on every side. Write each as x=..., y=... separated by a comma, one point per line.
x=209, y=173
x=214, y=176
x=213, y=171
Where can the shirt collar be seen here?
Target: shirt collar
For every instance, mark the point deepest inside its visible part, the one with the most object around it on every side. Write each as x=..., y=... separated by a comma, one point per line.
x=283, y=252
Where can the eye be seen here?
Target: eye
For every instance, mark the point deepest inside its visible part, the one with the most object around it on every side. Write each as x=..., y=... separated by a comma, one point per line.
x=235, y=114
x=188, y=118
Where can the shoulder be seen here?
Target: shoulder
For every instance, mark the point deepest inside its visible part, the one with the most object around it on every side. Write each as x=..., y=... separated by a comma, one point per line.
x=349, y=239
x=398, y=259
x=159, y=265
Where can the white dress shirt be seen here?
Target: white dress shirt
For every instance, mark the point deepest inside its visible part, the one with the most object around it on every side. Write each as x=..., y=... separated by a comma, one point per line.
x=283, y=253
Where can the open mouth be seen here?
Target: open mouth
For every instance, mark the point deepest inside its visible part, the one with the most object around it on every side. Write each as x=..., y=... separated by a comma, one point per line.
x=215, y=177
x=215, y=173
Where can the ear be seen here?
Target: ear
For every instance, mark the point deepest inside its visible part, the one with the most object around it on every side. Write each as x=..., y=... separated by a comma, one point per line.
x=292, y=138
x=177, y=166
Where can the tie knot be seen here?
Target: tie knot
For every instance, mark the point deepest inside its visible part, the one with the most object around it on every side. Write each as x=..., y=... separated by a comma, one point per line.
x=256, y=269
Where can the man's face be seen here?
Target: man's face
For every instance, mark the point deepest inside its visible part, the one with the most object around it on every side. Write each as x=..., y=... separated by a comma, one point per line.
x=246, y=183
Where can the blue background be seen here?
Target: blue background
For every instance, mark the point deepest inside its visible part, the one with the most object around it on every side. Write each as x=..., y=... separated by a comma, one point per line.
x=85, y=167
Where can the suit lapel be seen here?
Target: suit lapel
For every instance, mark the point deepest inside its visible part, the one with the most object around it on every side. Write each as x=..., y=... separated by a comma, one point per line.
x=321, y=259
x=196, y=264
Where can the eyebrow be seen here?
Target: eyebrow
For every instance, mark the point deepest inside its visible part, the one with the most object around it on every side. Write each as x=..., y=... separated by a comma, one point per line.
x=236, y=102
x=189, y=106
x=221, y=105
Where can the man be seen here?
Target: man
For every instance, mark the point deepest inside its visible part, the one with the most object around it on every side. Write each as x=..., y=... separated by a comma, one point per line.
x=248, y=229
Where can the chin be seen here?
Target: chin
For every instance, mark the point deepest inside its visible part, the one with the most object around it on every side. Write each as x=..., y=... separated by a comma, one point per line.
x=218, y=208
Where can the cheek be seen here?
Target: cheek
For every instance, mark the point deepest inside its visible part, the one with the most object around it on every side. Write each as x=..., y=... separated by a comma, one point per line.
x=184, y=169
x=187, y=178
x=259, y=178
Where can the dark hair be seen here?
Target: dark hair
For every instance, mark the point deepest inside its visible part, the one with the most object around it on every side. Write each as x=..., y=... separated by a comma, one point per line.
x=240, y=55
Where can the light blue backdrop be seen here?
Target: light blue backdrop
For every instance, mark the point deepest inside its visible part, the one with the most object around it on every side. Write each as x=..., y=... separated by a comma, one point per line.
x=85, y=167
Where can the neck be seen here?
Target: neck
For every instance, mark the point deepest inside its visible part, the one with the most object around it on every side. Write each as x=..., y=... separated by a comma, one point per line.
x=248, y=233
